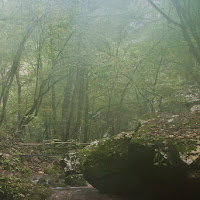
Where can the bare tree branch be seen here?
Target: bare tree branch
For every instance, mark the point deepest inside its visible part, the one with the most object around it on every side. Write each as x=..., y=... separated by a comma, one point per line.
x=164, y=15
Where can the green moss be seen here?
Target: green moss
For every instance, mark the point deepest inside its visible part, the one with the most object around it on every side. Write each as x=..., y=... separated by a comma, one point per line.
x=182, y=148
x=49, y=171
x=61, y=185
x=105, y=151
x=76, y=180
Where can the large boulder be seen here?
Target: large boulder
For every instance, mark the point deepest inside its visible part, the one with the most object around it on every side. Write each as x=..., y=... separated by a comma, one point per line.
x=147, y=165
x=151, y=173
x=105, y=164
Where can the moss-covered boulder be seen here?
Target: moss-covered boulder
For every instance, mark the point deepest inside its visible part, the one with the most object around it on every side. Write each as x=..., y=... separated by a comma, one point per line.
x=105, y=163
x=149, y=164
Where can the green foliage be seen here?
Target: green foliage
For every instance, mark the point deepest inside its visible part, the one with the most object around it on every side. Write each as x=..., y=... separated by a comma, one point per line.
x=15, y=177
x=50, y=171
x=19, y=189
x=90, y=69
x=159, y=160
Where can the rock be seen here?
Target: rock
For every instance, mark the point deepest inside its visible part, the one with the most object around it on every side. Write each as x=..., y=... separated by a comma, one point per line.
x=43, y=181
x=105, y=165
x=76, y=180
x=196, y=164
x=136, y=166
x=53, y=182
x=70, y=163
x=71, y=167
x=153, y=174
x=195, y=108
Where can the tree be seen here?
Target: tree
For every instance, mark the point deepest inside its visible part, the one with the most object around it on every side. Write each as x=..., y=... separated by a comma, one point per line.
x=187, y=21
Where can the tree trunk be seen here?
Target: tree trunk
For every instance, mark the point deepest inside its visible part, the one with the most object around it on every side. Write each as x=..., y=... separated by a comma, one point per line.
x=77, y=128
x=86, y=116
x=19, y=112
x=53, y=100
x=66, y=102
x=70, y=121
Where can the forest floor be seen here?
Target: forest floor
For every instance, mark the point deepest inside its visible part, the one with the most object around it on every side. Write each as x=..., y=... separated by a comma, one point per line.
x=17, y=172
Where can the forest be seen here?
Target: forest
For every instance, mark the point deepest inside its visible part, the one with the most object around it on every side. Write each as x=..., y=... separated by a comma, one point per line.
x=83, y=70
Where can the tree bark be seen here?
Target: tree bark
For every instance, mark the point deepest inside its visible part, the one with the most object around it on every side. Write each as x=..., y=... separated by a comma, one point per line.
x=86, y=114
x=19, y=90
x=77, y=128
x=66, y=102
x=70, y=121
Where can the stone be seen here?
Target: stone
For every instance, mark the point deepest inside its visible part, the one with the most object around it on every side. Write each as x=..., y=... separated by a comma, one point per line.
x=76, y=180
x=195, y=108
x=105, y=165
x=125, y=166
x=70, y=163
x=42, y=181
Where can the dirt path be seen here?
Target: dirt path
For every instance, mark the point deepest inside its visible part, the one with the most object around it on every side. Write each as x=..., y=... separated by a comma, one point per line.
x=81, y=194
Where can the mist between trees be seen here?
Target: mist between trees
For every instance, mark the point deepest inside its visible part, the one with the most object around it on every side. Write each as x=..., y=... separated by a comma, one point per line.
x=80, y=69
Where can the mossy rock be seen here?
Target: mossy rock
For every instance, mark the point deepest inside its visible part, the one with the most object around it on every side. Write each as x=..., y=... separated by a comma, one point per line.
x=53, y=181
x=42, y=181
x=105, y=165
x=76, y=180
x=127, y=164
x=101, y=152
